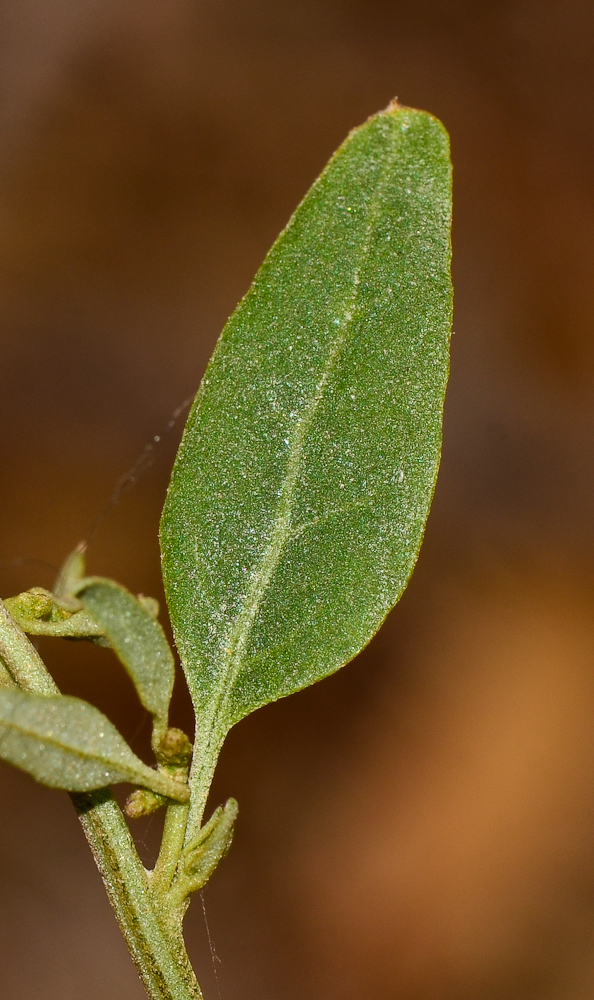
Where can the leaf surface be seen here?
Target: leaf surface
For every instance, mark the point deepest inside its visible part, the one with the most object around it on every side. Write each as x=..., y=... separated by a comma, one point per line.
x=66, y=743
x=136, y=637
x=301, y=488
x=6, y=678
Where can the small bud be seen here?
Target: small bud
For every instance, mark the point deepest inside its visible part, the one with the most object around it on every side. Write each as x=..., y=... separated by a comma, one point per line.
x=142, y=802
x=175, y=749
x=34, y=604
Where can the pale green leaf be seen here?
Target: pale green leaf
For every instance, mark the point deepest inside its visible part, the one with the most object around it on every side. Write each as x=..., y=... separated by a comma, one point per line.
x=136, y=637
x=66, y=743
x=203, y=854
x=300, y=492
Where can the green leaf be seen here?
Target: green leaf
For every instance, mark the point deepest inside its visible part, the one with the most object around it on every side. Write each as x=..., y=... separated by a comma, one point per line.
x=203, y=854
x=302, y=485
x=66, y=743
x=137, y=639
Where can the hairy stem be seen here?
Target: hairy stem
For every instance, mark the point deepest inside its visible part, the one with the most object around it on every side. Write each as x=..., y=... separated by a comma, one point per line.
x=207, y=745
x=157, y=948
x=174, y=832
x=22, y=659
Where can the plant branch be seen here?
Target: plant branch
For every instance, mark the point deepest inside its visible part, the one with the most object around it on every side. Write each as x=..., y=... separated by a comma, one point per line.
x=174, y=832
x=157, y=949
x=22, y=659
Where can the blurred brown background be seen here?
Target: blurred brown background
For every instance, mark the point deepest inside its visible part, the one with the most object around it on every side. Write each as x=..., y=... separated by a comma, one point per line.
x=421, y=825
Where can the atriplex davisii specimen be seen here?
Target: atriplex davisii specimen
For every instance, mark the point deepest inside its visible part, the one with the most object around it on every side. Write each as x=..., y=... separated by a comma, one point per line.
x=292, y=523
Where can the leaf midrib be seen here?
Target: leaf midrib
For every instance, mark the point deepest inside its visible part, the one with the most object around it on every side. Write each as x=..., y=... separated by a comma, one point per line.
x=241, y=627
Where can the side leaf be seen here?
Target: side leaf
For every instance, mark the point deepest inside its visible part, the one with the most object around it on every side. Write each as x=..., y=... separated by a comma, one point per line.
x=66, y=743
x=137, y=639
x=301, y=488
x=202, y=855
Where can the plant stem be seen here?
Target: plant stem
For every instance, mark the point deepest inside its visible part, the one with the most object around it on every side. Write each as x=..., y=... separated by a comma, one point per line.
x=174, y=832
x=22, y=659
x=157, y=949
x=207, y=745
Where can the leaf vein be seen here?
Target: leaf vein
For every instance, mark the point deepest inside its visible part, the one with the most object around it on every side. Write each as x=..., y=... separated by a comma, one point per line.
x=238, y=635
